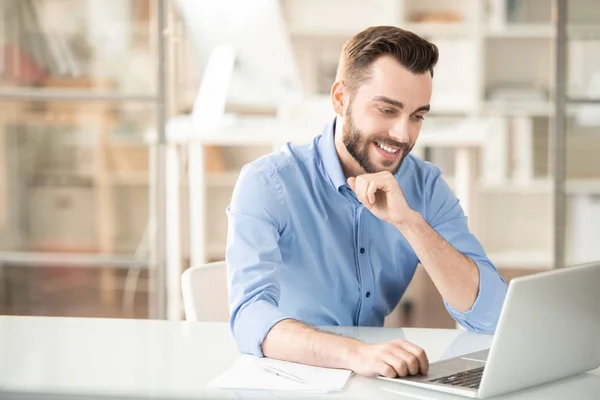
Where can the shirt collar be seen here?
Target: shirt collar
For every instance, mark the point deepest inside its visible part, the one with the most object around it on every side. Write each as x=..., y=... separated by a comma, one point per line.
x=331, y=161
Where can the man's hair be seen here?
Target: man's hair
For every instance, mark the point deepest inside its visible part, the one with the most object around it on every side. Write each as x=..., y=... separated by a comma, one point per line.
x=361, y=50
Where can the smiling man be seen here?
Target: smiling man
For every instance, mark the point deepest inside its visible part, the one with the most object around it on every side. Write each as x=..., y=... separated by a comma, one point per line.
x=331, y=233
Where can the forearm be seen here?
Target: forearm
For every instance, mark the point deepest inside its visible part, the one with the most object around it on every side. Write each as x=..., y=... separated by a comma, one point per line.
x=291, y=340
x=455, y=275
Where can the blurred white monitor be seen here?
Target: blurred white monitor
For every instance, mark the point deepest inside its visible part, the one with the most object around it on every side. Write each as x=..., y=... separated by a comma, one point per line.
x=265, y=70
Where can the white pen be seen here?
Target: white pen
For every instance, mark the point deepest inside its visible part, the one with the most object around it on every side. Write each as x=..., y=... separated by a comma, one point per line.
x=278, y=372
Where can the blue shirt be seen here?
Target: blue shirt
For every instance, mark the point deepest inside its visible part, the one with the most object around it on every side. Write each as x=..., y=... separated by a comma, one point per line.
x=300, y=245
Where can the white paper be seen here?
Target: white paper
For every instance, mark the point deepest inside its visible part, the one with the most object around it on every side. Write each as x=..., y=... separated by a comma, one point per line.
x=246, y=373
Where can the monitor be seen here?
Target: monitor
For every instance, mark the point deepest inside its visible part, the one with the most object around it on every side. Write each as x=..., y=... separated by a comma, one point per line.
x=265, y=70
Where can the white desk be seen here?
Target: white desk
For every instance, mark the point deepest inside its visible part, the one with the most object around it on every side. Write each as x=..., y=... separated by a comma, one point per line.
x=165, y=359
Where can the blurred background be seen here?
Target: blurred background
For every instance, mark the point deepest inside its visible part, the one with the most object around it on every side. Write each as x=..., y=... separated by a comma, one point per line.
x=124, y=124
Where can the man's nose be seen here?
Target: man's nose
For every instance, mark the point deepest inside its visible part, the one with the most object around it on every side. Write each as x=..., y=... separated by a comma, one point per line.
x=399, y=131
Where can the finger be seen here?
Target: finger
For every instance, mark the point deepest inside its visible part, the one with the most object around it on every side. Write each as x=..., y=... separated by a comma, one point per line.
x=399, y=365
x=361, y=185
x=352, y=182
x=383, y=174
x=386, y=183
x=417, y=352
x=410, y=359
x=384, y=369
x=371, y=190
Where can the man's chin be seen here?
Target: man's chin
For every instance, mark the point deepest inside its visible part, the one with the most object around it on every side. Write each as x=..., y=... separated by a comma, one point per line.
x=389, y=167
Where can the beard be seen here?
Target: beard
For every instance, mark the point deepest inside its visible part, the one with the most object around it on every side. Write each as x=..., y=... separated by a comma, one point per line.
x=358, y=146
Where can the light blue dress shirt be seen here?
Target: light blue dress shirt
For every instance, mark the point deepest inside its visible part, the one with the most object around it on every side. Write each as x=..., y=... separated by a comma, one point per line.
x=300, y=245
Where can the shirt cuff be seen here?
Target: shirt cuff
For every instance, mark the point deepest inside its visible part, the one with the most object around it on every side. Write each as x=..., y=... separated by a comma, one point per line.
x=483, y=315
x=252, y=325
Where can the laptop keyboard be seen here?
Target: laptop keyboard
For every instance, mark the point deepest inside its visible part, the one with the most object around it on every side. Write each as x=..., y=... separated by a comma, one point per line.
x=470, y=378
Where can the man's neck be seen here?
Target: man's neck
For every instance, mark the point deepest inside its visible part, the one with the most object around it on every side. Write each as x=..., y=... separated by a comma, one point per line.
x=350, y=166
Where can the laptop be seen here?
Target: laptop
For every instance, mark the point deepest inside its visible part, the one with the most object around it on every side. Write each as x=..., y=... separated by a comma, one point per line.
x=549, y=329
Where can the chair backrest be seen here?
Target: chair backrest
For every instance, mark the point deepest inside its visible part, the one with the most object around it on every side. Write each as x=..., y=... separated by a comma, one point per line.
x=204, y=290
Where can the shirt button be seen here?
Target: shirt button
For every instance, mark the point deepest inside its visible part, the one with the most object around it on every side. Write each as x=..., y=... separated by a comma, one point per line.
x=362, y=250
x=368, y=294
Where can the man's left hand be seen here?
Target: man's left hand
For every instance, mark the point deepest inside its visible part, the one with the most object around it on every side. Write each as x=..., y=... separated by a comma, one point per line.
x=381, y=194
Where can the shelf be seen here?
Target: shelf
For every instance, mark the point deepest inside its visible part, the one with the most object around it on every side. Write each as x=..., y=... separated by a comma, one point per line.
x=125, y=142
x=440, y=29
x=222, y=179
x=583, y=186
x=515, y=108
x=129, y=178
x=542, y=31
x=321, y=32
x=544, y=186
x=57, y=178
x=523, y=31
x=506, y=108
x=510, y=30
x=314, y=17
x=536, y=186
x=583, y=31
x=261, y=132
x=522, y=259
x=466, y=133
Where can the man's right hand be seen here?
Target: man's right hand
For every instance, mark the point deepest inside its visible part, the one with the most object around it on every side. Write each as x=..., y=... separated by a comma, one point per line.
x=292, y=340
x=390, y=359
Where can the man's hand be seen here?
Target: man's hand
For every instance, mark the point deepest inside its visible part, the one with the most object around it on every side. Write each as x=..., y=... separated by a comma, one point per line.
x=381, y=194
x=391, y=359
x=294, y=341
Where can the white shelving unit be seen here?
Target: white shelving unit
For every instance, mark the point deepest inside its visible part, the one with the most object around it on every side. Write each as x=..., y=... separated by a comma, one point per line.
x=478, y=51
x=484, y=48
x=496, y=65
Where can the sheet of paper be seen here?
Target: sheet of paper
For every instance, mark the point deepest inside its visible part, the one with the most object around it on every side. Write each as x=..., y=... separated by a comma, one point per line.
x=246, y=373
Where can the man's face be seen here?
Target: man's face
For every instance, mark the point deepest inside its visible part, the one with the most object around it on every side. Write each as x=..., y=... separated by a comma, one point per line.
x=383, y=117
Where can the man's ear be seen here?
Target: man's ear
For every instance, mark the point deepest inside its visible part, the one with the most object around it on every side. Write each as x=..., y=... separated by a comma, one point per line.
x=338, y=90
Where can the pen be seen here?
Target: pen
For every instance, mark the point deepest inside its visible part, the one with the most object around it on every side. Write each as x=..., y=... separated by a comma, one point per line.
x=278, y=372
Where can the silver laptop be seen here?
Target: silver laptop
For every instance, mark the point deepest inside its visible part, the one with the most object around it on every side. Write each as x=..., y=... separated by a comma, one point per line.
x=549, y=329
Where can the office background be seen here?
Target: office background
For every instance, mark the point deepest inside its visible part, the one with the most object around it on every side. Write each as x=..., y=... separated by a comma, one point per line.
x=110, y=186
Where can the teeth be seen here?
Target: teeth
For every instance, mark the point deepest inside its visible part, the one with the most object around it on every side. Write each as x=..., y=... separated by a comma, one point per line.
x=386, y=148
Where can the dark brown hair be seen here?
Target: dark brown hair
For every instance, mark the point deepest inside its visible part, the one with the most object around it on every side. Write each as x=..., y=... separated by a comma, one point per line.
x=361, y=50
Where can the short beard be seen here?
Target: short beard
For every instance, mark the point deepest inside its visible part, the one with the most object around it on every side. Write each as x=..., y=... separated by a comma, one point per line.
x=358, y=146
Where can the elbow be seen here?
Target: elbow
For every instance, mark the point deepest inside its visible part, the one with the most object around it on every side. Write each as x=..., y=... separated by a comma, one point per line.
x=251, y=323
x=242, y=335
x=488, y=328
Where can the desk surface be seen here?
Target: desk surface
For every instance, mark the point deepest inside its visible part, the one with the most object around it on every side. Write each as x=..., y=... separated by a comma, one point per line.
x=161, y=359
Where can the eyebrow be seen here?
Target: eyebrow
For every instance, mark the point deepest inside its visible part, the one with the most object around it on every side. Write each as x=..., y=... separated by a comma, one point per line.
x=398, y=104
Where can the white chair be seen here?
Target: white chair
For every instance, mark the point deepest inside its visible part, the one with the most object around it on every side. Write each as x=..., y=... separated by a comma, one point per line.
x=204, y=290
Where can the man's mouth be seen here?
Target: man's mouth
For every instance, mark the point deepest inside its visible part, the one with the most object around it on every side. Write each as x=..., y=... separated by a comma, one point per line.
x=388, y=152
x=389, y=149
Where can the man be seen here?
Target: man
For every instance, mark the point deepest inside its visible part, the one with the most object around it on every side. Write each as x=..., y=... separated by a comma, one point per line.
x=331, y=233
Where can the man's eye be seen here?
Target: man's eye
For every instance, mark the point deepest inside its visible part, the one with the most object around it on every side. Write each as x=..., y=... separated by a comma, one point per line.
x=386, y=111
x=418, y=117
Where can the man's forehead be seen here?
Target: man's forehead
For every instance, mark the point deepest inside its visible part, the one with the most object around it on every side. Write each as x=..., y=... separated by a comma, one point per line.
x=396, y=95
x=391, y=80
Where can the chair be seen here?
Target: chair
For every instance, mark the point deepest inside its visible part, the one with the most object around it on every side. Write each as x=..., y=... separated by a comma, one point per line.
x=204, y=290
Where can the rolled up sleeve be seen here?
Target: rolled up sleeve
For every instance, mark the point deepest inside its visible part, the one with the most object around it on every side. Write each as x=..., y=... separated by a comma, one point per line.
x=446, y=217
x=253, y=258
